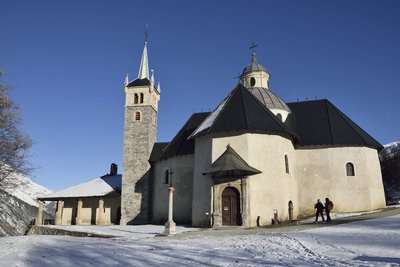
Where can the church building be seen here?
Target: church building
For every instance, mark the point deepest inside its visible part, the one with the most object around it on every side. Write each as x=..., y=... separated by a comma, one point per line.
x=253, y=159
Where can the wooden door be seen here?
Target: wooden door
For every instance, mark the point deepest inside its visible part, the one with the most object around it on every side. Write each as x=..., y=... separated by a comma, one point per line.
x=230, y=206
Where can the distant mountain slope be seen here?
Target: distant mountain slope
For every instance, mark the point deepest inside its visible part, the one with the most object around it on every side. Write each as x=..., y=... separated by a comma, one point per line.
x=390, y=164
x=20, y=186
x=18, y=204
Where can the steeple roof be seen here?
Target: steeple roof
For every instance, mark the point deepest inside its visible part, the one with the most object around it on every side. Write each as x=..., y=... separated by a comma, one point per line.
x=253, y=66
x=144, y=64
x=241, y=111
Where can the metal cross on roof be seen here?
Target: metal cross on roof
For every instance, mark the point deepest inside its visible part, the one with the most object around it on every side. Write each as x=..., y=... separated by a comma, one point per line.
x=146, y=34
x=253, y=46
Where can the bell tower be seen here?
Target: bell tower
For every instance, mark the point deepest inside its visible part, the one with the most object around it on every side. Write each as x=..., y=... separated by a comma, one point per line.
x=140, y=134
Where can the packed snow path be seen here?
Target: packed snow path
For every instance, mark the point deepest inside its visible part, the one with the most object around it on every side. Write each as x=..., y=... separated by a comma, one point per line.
x=364, y=243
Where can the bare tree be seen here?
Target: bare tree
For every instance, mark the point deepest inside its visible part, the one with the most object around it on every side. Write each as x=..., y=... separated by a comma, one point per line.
x=14, y=143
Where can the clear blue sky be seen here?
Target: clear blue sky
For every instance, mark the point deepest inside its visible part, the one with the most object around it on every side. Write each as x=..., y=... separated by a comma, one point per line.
x=67, y=61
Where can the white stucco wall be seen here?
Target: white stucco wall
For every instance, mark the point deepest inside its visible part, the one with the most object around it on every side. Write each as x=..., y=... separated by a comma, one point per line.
x=322, y=173
x=273, y=188
x=90, y=211
x=201, y=201
x=314, y=172
x=182, y=179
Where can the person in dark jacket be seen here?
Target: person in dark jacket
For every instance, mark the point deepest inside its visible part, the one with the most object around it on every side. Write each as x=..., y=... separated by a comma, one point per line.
x=319, y=207
x=328, y=207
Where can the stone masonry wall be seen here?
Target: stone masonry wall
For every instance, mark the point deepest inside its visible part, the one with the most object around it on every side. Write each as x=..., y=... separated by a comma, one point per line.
x=139, y=138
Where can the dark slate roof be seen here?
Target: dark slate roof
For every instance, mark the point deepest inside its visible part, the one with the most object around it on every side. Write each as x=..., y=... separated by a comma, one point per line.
x=319, y=122
x=180, y=144
x=139, y=82
x=253, y=66
x=230, y=164
x=242, y=111
x=268, y=98
x=157, y=151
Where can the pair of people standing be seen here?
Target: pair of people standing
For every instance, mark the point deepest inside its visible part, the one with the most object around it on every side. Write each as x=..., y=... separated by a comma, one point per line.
x=320, y=209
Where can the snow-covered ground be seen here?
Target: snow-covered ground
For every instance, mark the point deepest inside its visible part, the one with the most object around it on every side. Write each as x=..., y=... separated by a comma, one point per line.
x=363, y=243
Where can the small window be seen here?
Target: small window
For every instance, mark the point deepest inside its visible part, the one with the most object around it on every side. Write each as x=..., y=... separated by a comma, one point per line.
x=252, y=81
x=141, y=98
x=350, y=169
x=286, y=163
x=137, y=116
x=166, y=177
x=279, y=116
x=136, y=99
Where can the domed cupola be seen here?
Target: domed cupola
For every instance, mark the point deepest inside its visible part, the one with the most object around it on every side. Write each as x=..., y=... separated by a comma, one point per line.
x=256, y=79
x=255, y=75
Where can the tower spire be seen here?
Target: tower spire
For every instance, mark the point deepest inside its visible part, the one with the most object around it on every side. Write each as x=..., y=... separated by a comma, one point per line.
x=152, y=76
x=126, y=79
x=144, y=64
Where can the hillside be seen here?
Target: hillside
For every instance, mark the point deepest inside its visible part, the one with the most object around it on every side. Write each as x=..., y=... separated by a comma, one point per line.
x=15, y=214
x=18, y=205
x=390, y=164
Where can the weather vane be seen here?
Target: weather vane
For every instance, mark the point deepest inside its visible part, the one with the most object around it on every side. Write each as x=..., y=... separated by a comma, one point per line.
x=253, y=46
x=146, y=34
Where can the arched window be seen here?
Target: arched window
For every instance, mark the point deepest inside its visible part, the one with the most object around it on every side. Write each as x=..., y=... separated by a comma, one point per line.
x=350, y=169
x=141, y=98
x=286, y=163
x=137, y=116
x=252, y=81
x=136, y=99
x=290, y=206
x=279, y=116
x=166, y=177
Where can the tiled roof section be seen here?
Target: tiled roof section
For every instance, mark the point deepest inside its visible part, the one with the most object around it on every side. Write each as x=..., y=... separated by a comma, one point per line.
x=180, y=144
x=268, y=98
x=157, y=151
x=241, y=111
x=319, y=122
x=230, y=164
x=139, y=82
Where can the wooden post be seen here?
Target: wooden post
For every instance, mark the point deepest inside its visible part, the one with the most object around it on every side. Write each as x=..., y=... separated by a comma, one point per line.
x=39, y=219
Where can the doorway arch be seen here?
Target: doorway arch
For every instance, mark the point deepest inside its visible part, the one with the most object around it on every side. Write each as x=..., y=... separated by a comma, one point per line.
x=230, y=206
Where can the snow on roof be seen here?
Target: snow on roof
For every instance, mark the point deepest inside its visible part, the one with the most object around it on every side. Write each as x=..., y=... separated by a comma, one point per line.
x=208, y=122
x=97, y=187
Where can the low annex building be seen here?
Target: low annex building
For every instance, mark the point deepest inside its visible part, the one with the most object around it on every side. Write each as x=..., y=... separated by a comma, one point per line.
x=97, y=201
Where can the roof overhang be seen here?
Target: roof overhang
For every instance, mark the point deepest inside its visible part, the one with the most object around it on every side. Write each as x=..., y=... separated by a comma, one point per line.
x=230, y=164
